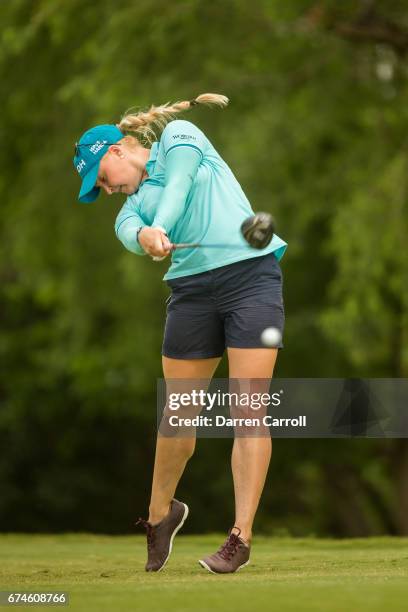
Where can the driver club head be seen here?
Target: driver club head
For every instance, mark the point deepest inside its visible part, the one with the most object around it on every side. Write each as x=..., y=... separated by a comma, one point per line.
x=258, y=230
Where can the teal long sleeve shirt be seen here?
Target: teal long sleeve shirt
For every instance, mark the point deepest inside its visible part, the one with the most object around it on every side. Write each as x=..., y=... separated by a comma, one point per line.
x=192, y=193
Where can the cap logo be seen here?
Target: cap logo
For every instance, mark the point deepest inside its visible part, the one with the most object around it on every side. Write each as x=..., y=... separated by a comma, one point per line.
x=81, y=165
x=97, y=146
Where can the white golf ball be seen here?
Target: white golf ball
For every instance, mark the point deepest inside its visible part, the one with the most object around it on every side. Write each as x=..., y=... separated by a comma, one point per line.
x=271, y=337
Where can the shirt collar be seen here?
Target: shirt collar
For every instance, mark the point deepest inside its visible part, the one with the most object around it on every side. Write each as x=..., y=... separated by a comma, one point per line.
x=151, y=162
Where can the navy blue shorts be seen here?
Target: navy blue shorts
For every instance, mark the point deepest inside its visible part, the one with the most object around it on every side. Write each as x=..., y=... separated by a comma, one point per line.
x=229, y=306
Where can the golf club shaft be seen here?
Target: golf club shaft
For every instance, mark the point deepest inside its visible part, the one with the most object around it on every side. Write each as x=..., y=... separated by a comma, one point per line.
x=194, y=245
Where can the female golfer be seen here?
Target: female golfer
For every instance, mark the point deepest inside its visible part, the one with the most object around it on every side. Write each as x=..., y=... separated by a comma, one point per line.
x=179, y=191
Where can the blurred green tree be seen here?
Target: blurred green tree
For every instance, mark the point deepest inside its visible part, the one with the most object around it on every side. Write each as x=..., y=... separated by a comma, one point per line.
x=315, y=133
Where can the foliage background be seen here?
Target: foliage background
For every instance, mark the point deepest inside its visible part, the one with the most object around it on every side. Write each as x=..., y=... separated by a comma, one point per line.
x=315, y=132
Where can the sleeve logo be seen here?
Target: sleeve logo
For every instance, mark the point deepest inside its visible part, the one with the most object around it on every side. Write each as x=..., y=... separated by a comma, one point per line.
x=184, y=137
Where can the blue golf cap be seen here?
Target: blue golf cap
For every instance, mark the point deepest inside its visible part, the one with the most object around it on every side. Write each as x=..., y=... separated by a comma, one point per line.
x=89, y=151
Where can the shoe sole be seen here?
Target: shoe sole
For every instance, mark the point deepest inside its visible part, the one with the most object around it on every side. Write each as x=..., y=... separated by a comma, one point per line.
x=208, y=568
x=179, y=526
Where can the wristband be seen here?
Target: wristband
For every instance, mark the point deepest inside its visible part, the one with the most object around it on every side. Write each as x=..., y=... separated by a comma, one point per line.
x=138, y=230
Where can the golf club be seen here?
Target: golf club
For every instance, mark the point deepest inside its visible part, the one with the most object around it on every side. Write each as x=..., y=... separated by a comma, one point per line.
x=258, y=231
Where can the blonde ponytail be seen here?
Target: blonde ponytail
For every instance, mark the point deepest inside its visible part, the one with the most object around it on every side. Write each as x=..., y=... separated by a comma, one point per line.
x=142, y=122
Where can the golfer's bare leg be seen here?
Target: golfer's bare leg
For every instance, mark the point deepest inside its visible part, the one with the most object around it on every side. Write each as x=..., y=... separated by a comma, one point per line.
x=250, y=456
x=172, y=454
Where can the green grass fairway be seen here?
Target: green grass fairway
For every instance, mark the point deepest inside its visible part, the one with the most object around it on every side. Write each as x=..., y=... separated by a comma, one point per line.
x=107, y=573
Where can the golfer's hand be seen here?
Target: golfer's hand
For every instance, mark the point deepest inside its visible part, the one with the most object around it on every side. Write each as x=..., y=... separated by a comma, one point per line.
x=154, y=242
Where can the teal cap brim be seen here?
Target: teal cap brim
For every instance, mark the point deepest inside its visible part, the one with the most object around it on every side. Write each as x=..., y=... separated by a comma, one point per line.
x=88, y=192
